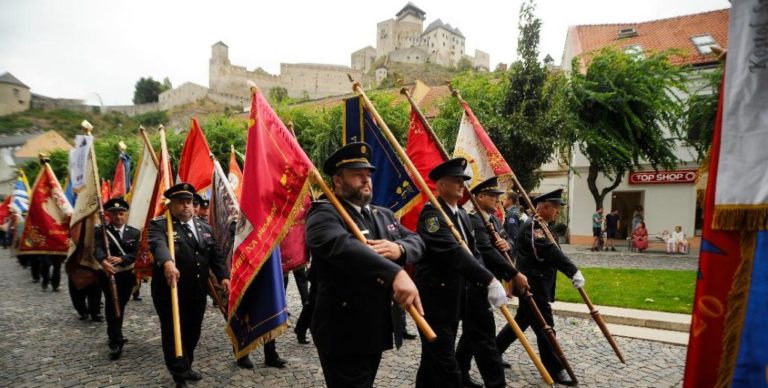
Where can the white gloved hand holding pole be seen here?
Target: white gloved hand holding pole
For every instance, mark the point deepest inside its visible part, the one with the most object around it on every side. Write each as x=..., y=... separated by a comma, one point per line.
x=578, y=280
x=497, y=296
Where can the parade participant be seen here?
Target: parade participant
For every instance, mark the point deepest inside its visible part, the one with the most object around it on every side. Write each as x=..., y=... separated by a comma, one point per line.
x=513, y=218
x=478, y=337
x=195, y=254
x=204, y=209
x=87, y=301
x=357, y=282
x=441, y=274
x=123, y=243
x=540, y=259
x=197, y=200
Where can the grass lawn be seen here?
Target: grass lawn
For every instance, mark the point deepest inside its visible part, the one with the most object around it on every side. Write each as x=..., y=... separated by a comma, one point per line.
x=645, y=289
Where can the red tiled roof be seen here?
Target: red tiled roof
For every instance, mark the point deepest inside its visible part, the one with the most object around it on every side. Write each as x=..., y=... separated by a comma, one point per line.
x=658, y=35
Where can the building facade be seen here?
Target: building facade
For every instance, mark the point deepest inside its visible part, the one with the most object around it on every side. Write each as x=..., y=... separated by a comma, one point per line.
x=14, y=95
x=667, y=198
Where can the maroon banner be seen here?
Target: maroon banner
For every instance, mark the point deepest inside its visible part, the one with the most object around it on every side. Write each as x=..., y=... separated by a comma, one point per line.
x=662, y=177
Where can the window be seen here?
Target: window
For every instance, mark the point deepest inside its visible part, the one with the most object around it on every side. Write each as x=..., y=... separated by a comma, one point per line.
x=703, y=43
x=635, y=50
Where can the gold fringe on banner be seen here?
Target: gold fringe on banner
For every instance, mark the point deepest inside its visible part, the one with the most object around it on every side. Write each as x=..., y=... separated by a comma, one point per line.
x=737, y=309
x=740, y=217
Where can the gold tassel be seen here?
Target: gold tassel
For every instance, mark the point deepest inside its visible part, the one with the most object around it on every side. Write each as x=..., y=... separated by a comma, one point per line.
x=737, y=309
x=740, y=217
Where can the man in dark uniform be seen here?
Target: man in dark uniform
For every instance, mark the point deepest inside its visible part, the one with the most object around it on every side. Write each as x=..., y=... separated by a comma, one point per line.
x=204, y=209
x=354, y=317
x=441, y=274
x=196, y=253
x=540, y=259
x=479, y=329
x=123, y=243
x=512, y=217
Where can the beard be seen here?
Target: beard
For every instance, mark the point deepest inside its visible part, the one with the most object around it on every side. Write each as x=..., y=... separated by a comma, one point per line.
x=355, y=195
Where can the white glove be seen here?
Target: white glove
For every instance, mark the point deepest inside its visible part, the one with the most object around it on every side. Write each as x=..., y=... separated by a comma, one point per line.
x=497, y=296
x=578, y=280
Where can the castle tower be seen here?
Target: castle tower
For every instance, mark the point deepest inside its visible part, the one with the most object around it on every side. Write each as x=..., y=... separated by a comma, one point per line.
x=218, y=63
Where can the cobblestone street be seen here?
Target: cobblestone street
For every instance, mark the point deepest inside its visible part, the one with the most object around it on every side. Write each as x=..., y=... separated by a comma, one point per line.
x=43, y=344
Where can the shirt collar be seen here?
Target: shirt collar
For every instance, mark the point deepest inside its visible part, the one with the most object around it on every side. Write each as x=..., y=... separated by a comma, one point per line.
x=358, y=208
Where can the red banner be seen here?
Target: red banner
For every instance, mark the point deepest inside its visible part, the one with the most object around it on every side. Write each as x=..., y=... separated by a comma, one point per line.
x=46, y=230
x=662, y=177
x=195, y=164
x=425, y=155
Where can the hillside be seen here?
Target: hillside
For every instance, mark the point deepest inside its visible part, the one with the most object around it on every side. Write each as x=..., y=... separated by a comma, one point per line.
x=429, y=73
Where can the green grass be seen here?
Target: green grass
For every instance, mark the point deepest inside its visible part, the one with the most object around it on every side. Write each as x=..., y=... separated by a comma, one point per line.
x=658, y=290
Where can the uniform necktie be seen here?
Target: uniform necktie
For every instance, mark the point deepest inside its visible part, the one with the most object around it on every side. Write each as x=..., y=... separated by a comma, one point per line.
x=368, y=217
x=189, y=231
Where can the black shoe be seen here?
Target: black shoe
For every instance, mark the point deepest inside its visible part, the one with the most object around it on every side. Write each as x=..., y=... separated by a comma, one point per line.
x=180, y=382
x=97, y=318
x=467, y=382
x=408, y=336
x=301, y=337
x=245, y=362
x=137, y=298
x=275, y=362
x=193, y=376
x=563, y=378
x=115, y=350
x=55, y=289
x=613, y=249
x=506, y=364
x=83, y=316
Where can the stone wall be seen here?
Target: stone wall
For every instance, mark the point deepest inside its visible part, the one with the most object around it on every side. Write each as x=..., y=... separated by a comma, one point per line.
x=13, y=98
x=133, y=110
x=186, y=93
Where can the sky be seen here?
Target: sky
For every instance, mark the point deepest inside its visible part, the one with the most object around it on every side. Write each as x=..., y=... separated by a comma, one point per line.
x=96, y=50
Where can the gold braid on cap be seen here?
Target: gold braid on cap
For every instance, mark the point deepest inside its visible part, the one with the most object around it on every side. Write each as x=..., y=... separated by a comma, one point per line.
x=345, y=161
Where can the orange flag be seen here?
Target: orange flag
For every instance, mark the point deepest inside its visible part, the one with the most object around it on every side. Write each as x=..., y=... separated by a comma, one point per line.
x=235, y=175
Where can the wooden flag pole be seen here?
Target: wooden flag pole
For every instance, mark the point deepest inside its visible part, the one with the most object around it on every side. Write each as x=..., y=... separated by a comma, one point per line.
x=426, y=190
x=493, y=233
x=421, y=323
x=592, y=310
x=105, y=241
x=171, y=248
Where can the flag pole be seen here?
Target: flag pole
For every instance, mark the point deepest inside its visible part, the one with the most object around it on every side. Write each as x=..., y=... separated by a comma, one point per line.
x=592, y=310
x=526, y=294
x=431, y=196
x=211, y=286
x=171, y=248
x=421, y=323
x=105, y=241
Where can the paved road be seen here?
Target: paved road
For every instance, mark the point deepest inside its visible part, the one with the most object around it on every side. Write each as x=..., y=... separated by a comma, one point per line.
x=43, y=344
x=624, y=259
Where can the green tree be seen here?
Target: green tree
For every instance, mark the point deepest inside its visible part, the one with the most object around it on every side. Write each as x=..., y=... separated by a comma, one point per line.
x=700, y=113
x=627, y=114
x=148, y=90
x=278, y=94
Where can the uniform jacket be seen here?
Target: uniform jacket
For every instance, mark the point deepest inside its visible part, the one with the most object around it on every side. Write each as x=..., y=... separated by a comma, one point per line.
x=512, y=223
x=441, y=272
x=539, y=259
x=128, y=244
x=493, y=259
x=193, y=258
x=354, y=284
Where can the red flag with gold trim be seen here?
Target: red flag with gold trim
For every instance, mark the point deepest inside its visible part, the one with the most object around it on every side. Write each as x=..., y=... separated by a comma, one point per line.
x=425, y=155
x=46, y=230
x=195, y=164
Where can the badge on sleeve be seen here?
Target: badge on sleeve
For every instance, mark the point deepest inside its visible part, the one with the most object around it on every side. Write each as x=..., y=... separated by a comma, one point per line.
x=538, y=234
x=433, y=224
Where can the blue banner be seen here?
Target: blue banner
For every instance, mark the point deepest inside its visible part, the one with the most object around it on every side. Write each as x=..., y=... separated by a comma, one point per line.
x=752, y=361
x=392, y=186
x=263, y=312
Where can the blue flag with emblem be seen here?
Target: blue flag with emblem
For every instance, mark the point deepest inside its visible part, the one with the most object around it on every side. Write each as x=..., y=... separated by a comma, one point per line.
x=392, y=186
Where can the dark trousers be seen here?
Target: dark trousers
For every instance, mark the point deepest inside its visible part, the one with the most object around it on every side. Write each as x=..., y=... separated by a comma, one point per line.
x=124, y=282
x=86, y=300
x=50, y=277
x=478, y=339
x=524, y=319
x=33, y=261
x=348, y=371
x=438, y=367
x=300, y=274
x=305, y=318
x=191, y=313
